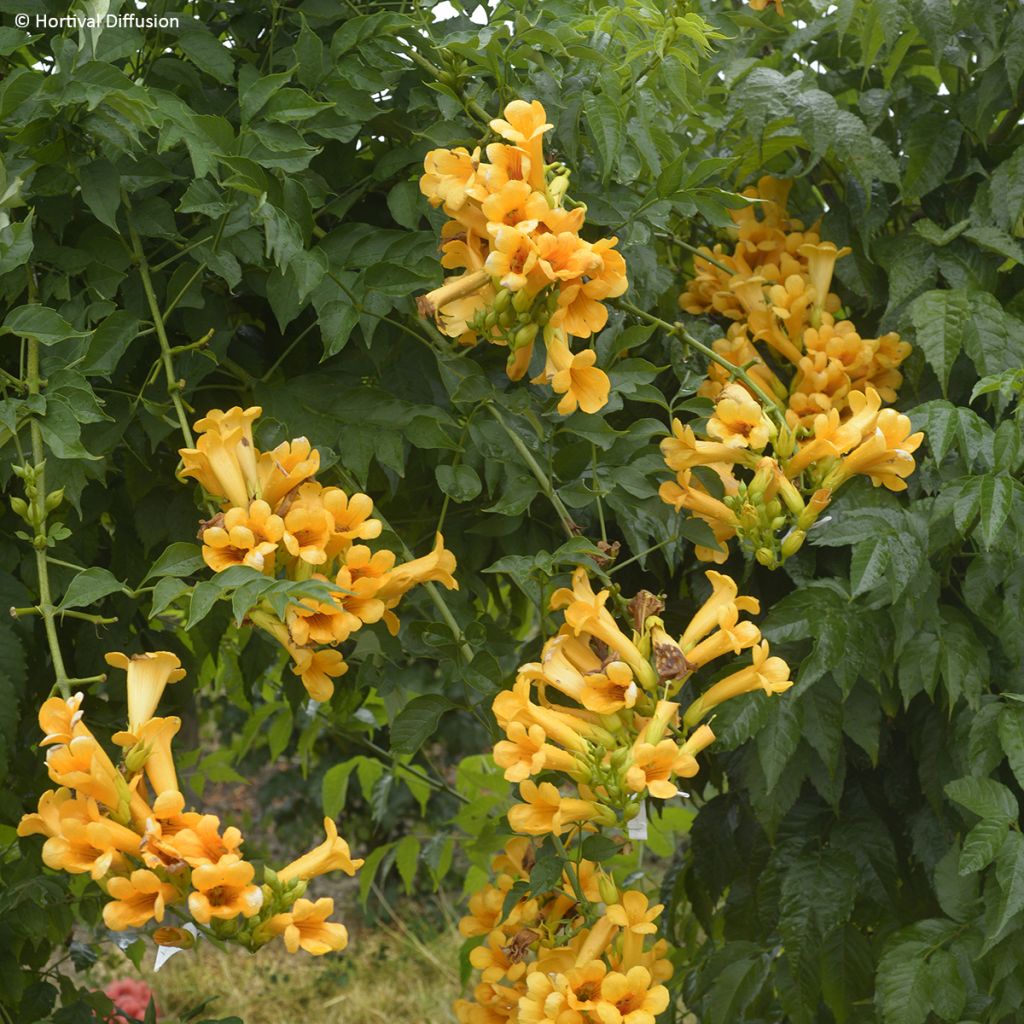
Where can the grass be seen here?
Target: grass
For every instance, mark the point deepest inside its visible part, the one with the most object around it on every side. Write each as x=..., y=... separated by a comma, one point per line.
x=386, y=976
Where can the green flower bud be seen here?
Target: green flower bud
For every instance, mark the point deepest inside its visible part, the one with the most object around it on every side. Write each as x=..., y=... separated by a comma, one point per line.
x=53, y=499
x=524, y=336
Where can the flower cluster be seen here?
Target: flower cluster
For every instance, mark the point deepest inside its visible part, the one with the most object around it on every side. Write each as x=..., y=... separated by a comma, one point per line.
x=776, y=294
x=806, y=413
x=576, y=953
x=592, y=720
x=596, y=710
x=277, y=519
x=524, y=269
x=125, y=825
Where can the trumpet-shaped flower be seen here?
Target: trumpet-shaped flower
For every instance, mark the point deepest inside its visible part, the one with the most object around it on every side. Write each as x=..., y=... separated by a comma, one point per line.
x=306, y=927
x=545, y=810
x=317, y=670
x=585, y=612
x=148, y=676
x=769, y=674
x=654, y=766
x=524, y=125
x=331, y=855
x=739, y=421
x=281, y=470
x=243, y=536
x=203, y=843
x=136, y=900
x=224, y=890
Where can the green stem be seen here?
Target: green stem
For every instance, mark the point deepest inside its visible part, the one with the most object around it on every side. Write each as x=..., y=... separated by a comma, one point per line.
x=438, y=783
x=539, y=475
x=770, y=404
x=597, y=492
x=642, y=554
x=704, y=256
x=570, y=870
x=471, y=106
x=39, y=542
x=100, y=620
x=173, y=387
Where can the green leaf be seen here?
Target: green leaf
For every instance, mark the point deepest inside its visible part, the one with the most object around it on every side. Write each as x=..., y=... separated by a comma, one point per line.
x=207, y=53
x=778, y=738
x=996, y=495
x=939, y=319
x=334, y=787
x=982, y=843
x=993, y=339
x=43, y=324
x=101, y=190
x=89, y=586
x=983, y=797
x=204, y=597
x=279, y=733
x=869, y=565
x=109, y=342
x=167, y=590
x=546, y=874
x=902, y=985
x=460, y=483
x=177, y=559
x=931, y=145
x=1011, y=739
x=407, y=856
x=417, y=722
x=606, y=122
x=1010, y=876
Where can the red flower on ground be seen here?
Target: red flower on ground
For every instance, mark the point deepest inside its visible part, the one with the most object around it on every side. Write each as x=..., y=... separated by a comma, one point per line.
x=130, y=997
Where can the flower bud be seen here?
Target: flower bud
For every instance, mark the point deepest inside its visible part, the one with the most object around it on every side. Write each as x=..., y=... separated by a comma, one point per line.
x=792, y=542
x=525, y=336
x=20, y=508
x=501, y=300
x=521, y=301
x=766, y=557
x=136, y=758
x=53, y=499
x=179, y=938
x=606, y=887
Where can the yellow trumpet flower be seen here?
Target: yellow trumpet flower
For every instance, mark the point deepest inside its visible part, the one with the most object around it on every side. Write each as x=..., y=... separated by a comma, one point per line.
x=306, y=927
x=331, y=855
x=136, y=900
x=148, y=676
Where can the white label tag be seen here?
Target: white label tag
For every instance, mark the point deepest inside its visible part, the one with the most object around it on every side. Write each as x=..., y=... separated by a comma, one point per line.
x=164, y=953
x=638, y=826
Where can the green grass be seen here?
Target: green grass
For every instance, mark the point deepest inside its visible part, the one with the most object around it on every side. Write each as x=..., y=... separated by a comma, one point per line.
x=386, y=976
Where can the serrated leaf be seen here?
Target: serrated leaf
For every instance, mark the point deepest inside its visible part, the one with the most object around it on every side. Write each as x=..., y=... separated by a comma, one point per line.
x=931, y=145
x=869, y=565
x=607, y=127
x=939, y=318
x=995, y=499
x=1011, y=739
x=1010, y=876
